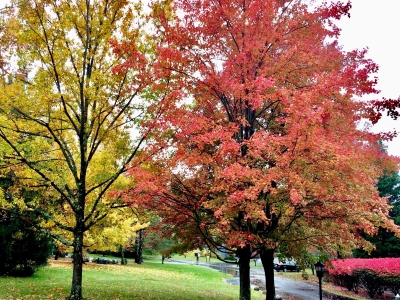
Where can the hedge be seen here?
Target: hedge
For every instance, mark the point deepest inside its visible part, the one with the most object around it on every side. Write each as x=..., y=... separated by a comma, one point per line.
x=375, y=275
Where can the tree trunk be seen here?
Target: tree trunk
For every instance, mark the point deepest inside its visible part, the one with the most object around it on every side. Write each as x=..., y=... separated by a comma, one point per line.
x=123, y=261
x=76, y=289
x=267, y=259
x=244, y=255
x=139, y=247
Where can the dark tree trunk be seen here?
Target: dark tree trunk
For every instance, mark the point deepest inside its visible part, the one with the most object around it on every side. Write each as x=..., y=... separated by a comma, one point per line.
x=139, y=247
x=76, y=289
x=123, y=261
x=267, y=259
x=244, y=255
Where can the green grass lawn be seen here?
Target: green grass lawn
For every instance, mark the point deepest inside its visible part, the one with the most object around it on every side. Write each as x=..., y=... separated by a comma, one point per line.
x=152, y=280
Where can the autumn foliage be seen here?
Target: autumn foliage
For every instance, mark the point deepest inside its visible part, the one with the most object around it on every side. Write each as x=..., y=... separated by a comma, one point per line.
x=389, y=106
x=262, y=148
x=382, y=266
x=374, y=274
x=68, y=109
x=263, y=135
x=234, y=120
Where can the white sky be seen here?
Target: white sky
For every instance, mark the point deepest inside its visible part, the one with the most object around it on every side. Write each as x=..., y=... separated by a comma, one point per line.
x=376, y=25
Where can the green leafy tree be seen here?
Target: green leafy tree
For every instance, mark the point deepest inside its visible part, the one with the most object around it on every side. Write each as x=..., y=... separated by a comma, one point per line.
x=389, y=186
x=385, y=242
x=23, y=248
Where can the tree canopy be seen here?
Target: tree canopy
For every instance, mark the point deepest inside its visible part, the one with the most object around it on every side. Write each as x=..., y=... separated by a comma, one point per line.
x=263, y=147
x=70, y=120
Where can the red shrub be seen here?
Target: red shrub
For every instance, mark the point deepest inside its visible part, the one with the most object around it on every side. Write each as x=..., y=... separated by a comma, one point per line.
x=381, y=266
x=374, y=275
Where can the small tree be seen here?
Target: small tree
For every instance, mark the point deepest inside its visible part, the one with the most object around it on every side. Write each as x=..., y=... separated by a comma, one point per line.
x=22, y=248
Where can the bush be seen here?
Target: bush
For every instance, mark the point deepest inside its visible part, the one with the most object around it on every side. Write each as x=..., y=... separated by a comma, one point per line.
x=350, y=282
x=371, y=281
x=22, y=248
x=393, y=284
x=304, y=275
x=375, y=275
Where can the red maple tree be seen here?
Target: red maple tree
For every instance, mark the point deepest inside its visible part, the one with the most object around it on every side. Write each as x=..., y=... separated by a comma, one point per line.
x=262, y=149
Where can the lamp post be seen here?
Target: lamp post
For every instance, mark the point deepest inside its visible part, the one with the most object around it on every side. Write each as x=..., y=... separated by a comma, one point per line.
x=319, y=268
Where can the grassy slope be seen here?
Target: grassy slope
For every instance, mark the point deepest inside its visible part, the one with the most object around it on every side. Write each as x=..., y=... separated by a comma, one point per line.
x=152, y=280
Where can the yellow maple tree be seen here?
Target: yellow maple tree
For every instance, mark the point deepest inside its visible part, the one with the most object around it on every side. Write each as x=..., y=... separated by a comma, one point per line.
x=71, y=123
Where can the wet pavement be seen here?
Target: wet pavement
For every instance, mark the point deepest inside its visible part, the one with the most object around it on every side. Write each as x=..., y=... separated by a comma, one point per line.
x=284, y=287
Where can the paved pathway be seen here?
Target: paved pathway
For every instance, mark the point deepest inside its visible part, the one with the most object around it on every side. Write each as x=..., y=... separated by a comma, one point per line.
x=284, y=287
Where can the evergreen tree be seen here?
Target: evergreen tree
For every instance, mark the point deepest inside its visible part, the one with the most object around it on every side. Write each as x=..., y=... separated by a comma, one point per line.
x=386, y=243
x=23, y=249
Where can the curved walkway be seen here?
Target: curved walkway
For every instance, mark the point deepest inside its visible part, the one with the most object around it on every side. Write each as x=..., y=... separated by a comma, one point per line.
x=284, y=287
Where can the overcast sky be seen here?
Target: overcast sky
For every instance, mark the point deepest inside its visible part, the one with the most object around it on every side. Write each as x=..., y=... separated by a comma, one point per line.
x=376, y=25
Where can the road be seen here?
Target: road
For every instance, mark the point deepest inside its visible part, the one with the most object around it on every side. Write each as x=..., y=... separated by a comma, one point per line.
x=284, y=287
